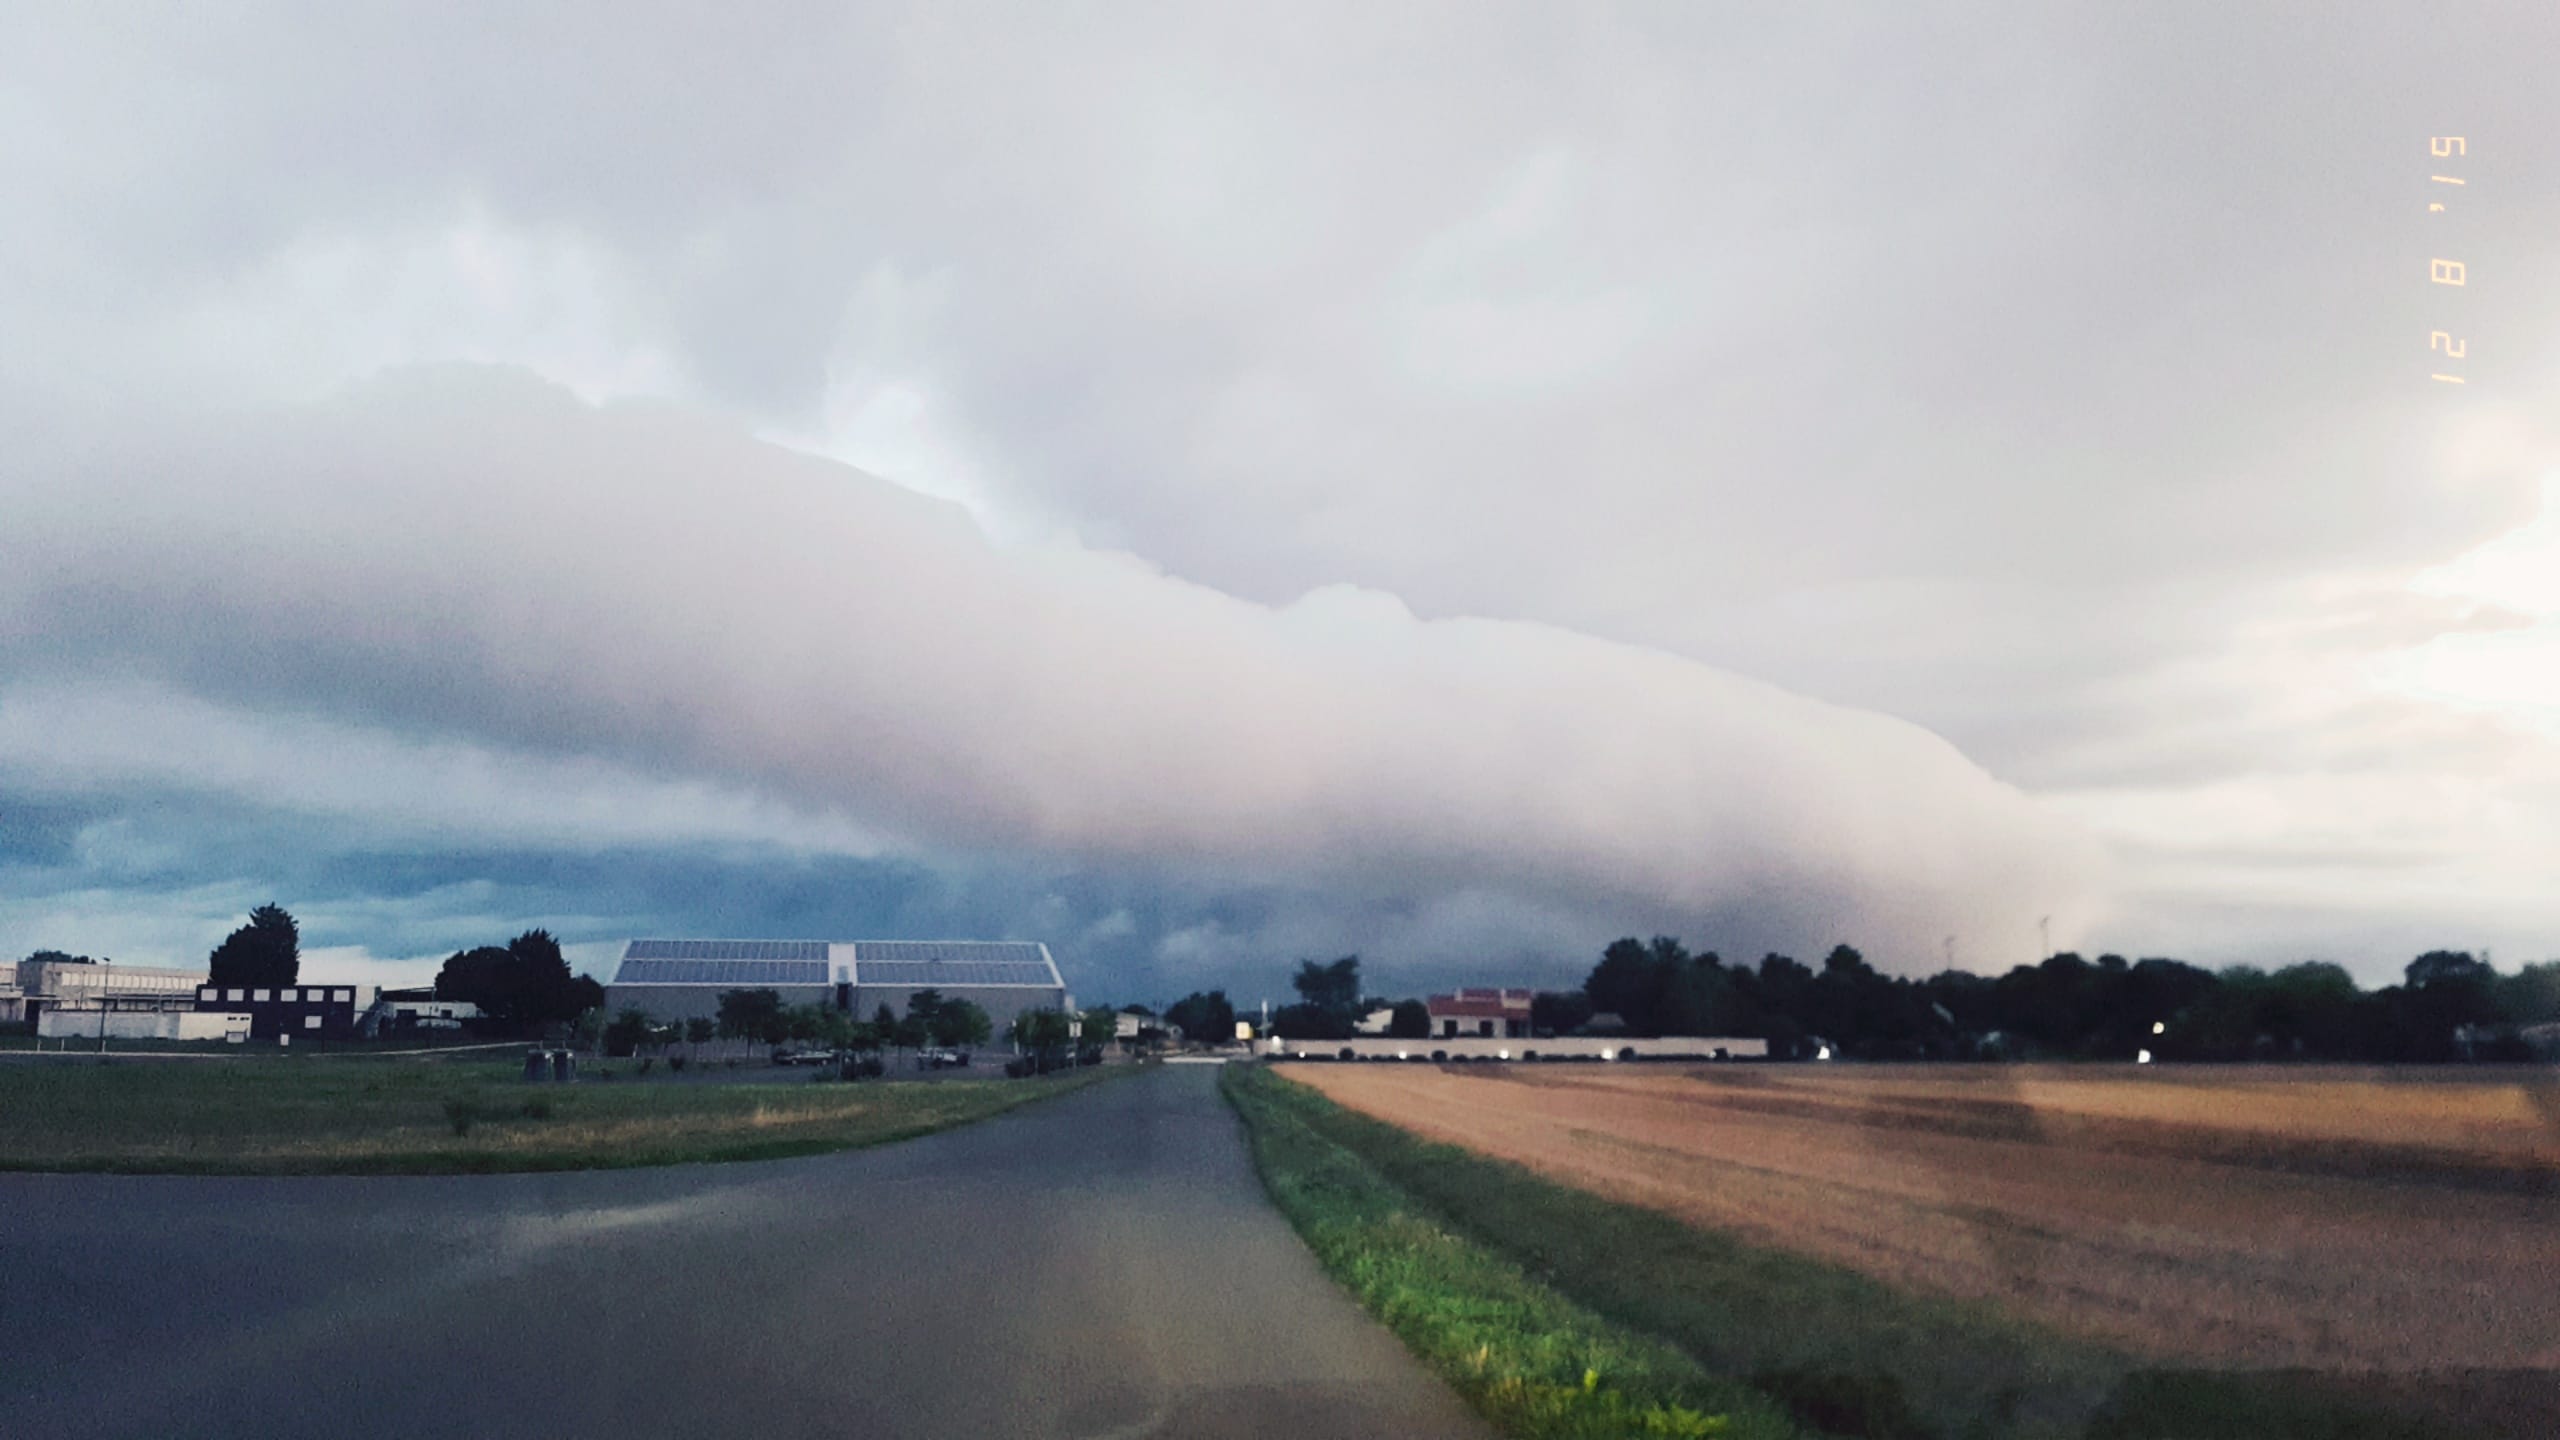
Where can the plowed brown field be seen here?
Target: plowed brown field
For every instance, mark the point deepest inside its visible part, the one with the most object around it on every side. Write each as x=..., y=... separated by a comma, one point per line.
x=2327, y=1218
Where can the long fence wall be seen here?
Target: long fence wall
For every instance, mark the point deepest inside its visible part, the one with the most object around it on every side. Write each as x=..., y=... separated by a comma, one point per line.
x=1569, y=1047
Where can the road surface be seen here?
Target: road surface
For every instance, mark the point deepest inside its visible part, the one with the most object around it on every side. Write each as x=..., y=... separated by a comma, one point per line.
x=1101, y=1266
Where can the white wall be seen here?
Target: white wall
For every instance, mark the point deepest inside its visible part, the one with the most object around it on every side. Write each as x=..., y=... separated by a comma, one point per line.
x=1571, y=1047
x=140, y=1024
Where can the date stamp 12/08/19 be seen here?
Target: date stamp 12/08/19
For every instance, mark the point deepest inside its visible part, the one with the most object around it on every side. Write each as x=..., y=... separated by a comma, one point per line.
x=2444, y=345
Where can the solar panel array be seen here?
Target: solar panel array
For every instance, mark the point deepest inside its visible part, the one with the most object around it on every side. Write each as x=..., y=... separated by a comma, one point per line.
x=726, y=950
x=924, y=974
x=721, y=972
x=917, y=964
x=1020, y=952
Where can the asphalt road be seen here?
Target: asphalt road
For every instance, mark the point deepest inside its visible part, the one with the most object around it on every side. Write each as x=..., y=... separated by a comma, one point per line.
x=1102, y=1266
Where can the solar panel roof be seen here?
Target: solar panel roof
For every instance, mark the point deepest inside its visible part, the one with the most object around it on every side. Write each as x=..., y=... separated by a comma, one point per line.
x=914, y=963
x=923, y=973
x=721, y=972
x=726, y=950
x=1022, y=952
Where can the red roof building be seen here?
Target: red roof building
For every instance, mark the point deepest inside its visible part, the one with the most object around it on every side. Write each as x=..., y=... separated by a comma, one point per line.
x=1480, y=1012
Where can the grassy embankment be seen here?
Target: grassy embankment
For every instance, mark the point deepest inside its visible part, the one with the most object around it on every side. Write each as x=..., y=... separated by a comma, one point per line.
x=1530, y=1359
x=1512, y=1285
x=432, y=1115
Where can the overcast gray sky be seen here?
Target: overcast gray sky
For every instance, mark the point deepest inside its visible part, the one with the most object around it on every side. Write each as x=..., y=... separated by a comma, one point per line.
x=1204, y=485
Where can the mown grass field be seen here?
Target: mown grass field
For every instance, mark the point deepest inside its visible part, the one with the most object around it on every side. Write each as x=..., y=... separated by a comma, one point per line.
x=437, y=1115
x=1845, y=1352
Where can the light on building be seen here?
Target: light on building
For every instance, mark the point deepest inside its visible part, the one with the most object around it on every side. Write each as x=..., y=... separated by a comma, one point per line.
x=1822, y=1054
x=1502, y=1054
x=2141, y=1057
x=2159, y=1027
x=1403, y=1055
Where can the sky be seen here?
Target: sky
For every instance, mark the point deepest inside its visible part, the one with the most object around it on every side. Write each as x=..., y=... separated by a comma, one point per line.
x=1206, y=487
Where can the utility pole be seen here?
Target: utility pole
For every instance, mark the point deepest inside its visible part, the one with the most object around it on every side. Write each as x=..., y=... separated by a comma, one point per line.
x=1951, y=952
x=2045, y=926
x=102, y=1005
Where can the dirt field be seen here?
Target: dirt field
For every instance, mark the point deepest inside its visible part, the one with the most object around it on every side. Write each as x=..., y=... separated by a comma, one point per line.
x=2330, y=1218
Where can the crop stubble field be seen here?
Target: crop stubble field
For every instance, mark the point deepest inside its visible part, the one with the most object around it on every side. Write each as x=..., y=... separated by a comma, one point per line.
x=2327, y=1218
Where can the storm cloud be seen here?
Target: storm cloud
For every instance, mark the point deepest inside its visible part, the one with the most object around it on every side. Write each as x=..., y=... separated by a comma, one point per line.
x=1456, y=482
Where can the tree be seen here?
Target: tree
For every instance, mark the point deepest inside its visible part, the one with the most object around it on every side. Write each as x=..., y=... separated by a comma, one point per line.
x=910, y=1032
x=1098, y=1026
x=56, y=957
x=752, y=1015
x=924, y=1007
x=1203, y=1017
x=1551, y=1012
x=700, y=1028
x=2447, y=967
x=960, y=1024
x=1042, y=1032
x=628, y=1030
x=266, y=952
x=1411, y=1021
x=2531, y=996
x=520, y=986
x=1332, y=992
x=1627, y=983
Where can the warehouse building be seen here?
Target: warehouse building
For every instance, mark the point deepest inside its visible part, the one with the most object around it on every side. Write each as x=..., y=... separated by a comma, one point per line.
x=66, y=997
x=681, y=979
x=286, y=1013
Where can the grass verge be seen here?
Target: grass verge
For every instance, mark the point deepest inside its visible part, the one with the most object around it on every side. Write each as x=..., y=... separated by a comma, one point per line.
x=1764, y=1333
x=434, y=1115
x=1529, y=1359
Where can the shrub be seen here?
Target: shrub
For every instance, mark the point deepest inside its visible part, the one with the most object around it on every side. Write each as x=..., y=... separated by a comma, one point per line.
x=675, y=1063
x=461, y=1112
x=645, y=1064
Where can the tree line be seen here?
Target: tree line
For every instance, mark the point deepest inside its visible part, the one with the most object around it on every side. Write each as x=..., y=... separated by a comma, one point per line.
x=2450, y=1005
x=932, y=1020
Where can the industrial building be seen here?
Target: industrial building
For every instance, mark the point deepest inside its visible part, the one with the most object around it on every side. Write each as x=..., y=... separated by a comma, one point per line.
x=291, y=1012
x=681, y=979
x=68, y=997
x=405, y=1012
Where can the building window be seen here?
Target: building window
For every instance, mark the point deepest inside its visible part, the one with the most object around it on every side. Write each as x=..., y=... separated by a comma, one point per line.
x=239, y=994
x=342, y=995
x=287, y=996
x=208, y=994
x=261, y=994
x=1484, y=1027
x=310, y=1022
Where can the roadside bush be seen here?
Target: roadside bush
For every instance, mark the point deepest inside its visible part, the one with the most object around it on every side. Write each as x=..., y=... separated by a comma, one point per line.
x=675, y=1064
x=461, y=1112
x=644, y=1066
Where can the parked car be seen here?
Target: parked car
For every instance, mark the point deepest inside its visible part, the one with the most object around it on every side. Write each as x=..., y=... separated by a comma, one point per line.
x=938, y=1059
x=793, y=1055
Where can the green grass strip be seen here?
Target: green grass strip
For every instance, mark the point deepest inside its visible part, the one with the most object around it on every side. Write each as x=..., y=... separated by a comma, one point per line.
x=1527, y=1358
x=431, y=1115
